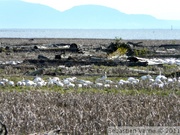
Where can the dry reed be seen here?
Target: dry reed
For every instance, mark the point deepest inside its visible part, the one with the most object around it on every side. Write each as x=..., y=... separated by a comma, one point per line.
x=85, y=112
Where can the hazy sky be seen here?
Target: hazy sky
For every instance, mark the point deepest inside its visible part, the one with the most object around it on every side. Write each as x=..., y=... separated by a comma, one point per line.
x=161, y=9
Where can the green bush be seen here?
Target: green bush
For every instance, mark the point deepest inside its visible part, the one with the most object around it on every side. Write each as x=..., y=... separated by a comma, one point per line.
x=141, y=52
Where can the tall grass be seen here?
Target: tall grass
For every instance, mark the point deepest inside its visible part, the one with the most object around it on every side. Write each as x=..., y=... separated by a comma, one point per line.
x=84, y=112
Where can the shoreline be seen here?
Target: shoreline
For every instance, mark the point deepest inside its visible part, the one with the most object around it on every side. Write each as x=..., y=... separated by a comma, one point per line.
x=82, y=41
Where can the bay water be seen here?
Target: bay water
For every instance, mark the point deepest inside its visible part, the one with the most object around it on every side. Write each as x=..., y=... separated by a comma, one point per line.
x=158, y=34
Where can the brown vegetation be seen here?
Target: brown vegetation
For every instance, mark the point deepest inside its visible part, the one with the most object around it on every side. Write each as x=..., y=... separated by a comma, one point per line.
x=80, y=113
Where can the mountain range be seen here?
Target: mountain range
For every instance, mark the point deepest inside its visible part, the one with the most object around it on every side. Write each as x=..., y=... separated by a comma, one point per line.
x=19, y=14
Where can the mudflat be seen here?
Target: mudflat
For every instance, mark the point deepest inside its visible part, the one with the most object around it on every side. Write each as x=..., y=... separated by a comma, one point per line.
x=83, y=41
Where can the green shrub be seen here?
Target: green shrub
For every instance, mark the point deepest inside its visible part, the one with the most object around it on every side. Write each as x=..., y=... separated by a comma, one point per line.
x=141, y=52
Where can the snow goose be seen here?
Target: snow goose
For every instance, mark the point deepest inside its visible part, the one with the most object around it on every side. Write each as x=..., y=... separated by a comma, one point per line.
x=98, y=85
x=103, y=78
x=11, y=83
x=160, y=76
x=107, y=85
x=59, y=83
x=55, y=79
x=41, y=83
x=146, y=77
x=85, y=83
x=50, y=81
x=5, y=80
x=71, y=79
x=70, y=85
x=29, y=83
x=37, y=79
x=122, y=82
x=2, y=83
x=133, y=80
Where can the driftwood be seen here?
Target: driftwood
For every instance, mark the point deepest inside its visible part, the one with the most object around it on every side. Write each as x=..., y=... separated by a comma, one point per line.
x=133, y=59
x=135, y=44
x=170, y=46
x=71, y=61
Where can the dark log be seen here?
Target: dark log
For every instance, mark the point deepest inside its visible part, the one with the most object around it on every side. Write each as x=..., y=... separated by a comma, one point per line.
x=133, y=59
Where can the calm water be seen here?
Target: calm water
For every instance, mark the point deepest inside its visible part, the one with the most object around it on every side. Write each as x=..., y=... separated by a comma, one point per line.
x=89, y=33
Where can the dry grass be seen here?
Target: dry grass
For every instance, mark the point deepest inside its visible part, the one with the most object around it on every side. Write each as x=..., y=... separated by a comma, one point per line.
x=85, y=112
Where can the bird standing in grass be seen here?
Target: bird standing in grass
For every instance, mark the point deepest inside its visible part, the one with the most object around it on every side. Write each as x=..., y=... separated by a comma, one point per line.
x=103, y=78
x=161, y=77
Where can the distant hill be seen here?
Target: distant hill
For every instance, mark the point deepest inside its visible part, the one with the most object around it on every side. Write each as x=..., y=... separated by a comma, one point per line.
x=18, y=14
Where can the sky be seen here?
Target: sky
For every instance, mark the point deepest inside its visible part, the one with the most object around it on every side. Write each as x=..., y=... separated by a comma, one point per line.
x=161, y=9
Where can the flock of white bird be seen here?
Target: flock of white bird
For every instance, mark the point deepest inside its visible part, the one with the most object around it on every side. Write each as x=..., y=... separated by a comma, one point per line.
x=159, y=81
x=10, y=62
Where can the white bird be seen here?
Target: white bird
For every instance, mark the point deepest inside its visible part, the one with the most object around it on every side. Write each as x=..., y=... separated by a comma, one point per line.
x=158, y=83
x=161, y=85
x=107, y=85
x=30, y=83
x=2, y=83
x=55, y=79
x=133, y=80
x=19, y=83
x=79, y=85
x=5, y=80
x=13, y=63
x=109, y=81
x=105, y=76
x=71, y=79
x=102, y=78
x=122, y=82
x=37, y=79
x=71, y=85
x=146, y=77
x=170, y=80
x=99, y=85
x=158, y=80
x=160, y=76
x=41, y=83
x=11, y=83
x=85, y=83
x=115, y=86
x=151, y=80
x=59, y=83
x=66, y=81
x=23, y=83
x=50, y=81
x=175, y=79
